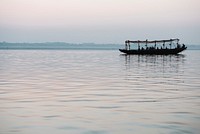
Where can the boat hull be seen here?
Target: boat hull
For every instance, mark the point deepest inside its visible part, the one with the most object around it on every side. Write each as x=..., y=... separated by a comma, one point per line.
x=154, y=51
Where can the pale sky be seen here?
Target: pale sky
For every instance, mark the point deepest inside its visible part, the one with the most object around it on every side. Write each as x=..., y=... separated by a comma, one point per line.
x=99, y=21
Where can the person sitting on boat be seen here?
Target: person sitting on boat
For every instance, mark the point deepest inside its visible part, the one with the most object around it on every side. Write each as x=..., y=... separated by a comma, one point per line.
x=183, y=46
x=178, y=45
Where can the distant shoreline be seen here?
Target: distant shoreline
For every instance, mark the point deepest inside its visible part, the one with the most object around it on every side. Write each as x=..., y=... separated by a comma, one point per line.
x=71, y=46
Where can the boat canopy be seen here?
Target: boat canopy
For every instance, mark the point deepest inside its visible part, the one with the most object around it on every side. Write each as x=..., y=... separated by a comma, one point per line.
x=154, y=41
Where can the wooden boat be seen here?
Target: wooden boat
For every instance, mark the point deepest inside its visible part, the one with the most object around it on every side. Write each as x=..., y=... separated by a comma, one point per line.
x=159, y=47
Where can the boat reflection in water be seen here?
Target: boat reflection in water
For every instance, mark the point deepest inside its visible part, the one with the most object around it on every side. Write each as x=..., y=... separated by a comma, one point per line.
x=155, y=64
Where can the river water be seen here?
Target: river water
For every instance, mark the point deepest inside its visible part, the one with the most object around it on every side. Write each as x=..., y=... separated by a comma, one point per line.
x=98, y=92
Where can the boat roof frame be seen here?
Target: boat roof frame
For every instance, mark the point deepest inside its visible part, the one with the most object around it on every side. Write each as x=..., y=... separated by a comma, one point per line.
x=154, y=41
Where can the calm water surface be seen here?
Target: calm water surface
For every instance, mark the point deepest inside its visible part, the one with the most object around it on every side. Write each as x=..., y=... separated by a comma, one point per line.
x=98, y=92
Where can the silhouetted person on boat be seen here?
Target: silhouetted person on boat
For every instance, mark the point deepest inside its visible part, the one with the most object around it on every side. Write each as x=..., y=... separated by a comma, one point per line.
x=178, y=45
x=183, y=46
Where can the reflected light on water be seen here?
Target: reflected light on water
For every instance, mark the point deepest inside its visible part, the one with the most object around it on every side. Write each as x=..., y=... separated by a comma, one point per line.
x=97, y=92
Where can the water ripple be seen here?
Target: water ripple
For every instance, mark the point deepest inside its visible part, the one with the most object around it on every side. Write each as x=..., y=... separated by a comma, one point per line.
x=55, y=91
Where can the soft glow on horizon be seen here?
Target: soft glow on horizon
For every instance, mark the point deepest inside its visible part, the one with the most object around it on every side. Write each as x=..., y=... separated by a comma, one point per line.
x=98, y=21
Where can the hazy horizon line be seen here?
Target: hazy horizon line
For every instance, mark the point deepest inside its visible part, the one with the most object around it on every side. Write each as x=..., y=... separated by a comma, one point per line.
x=74, y=43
